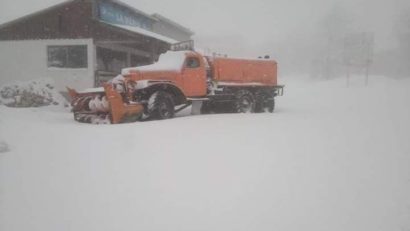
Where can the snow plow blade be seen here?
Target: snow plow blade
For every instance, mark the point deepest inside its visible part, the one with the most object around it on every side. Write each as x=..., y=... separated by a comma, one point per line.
x=103, y=107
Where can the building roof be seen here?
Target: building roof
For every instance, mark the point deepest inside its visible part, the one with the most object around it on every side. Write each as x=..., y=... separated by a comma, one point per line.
x=169, y=21
x=133, y=9
x=36, y=13
x=133, y=29
x=142, y=31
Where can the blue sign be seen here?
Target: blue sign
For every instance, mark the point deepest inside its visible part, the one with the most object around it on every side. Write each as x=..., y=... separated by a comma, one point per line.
x=117, y=15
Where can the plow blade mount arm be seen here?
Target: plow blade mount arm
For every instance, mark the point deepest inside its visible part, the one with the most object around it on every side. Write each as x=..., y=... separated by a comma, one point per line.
x=121, y=111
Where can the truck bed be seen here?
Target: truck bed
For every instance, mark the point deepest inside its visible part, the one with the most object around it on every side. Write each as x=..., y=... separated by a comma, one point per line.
x=242, y=71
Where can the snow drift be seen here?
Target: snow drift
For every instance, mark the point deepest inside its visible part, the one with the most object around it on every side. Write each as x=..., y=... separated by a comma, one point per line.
x=329, y=158
x=35, y=93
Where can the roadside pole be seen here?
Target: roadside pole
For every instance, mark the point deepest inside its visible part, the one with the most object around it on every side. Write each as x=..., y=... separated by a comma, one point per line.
x=347, y=75
x=367, y=74
x=358, y=53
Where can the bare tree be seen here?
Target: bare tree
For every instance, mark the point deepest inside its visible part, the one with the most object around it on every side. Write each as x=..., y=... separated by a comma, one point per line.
x=333, y=28
x=403, y=37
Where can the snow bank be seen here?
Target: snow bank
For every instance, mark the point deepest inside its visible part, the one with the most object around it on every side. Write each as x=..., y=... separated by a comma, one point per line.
x=330, y=158
x=169, y=61
x=35, y=93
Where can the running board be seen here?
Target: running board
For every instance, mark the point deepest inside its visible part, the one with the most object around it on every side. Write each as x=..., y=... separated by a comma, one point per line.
x=183, y=107
x=197, y=99
x=196, y=107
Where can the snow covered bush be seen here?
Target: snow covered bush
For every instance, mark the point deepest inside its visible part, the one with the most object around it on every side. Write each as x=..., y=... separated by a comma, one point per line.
x=35, y=93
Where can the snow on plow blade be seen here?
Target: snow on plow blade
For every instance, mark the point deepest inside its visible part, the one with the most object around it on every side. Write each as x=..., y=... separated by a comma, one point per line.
x=103, y=107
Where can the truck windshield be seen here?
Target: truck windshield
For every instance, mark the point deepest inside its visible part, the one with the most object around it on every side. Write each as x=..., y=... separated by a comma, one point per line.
x=192, y=62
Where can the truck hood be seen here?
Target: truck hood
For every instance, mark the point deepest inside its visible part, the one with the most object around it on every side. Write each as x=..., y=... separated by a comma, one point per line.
x=170, y=61
x=154, y=75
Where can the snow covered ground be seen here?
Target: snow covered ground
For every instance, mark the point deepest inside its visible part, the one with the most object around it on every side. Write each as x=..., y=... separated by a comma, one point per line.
x=329, y=158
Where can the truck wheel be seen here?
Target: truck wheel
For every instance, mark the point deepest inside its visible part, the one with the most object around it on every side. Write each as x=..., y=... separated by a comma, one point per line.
x=161, y=106
x=270, y=107
x=260, y=99
x=264, y=102
x=245, y=102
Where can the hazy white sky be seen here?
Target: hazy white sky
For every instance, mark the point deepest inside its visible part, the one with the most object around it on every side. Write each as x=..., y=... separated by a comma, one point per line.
x=250, y=27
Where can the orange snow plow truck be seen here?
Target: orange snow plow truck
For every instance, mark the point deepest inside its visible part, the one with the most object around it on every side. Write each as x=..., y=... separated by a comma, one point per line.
x=180, y=79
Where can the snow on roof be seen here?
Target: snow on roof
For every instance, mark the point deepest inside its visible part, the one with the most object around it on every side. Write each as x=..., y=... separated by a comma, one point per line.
x=169, y=61
x=169, y=21
x=129, y=7
x=241, y=58
x=143, y=32
x=34, y=13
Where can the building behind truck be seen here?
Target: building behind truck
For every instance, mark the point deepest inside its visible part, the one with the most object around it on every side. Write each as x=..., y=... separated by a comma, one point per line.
x=83, y=43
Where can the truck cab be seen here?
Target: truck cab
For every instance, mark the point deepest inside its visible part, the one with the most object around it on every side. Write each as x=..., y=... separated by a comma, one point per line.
x=193, y=75
x=186, y=70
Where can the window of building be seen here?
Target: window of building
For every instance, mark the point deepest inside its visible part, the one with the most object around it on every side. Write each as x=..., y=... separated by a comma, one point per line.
x=110, y=60
x=60, y=23
x=67, y=56
x=139, y=61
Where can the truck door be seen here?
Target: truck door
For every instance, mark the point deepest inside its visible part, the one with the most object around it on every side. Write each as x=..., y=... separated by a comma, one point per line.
x=194, y=77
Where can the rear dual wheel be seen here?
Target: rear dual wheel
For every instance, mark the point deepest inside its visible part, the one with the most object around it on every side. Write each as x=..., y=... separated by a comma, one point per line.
x=244, y=102
x=247, y=102
x=265, y=102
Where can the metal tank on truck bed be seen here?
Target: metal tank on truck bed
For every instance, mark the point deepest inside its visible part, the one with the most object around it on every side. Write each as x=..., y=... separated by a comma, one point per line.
x=244, y=71
x=180, y=79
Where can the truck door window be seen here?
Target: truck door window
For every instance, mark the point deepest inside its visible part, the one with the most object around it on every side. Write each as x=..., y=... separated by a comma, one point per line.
x=192, y=63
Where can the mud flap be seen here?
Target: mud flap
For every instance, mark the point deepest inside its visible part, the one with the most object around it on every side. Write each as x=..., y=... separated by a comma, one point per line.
x=196, y=107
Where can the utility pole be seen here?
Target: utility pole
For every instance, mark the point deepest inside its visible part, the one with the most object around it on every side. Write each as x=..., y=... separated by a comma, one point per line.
x=367, y=74
x=347, y=75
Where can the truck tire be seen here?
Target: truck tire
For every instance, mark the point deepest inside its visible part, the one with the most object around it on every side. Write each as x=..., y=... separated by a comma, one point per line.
x=264, y=102
x=270, y=107
x=245, y=102
x=161, y=106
